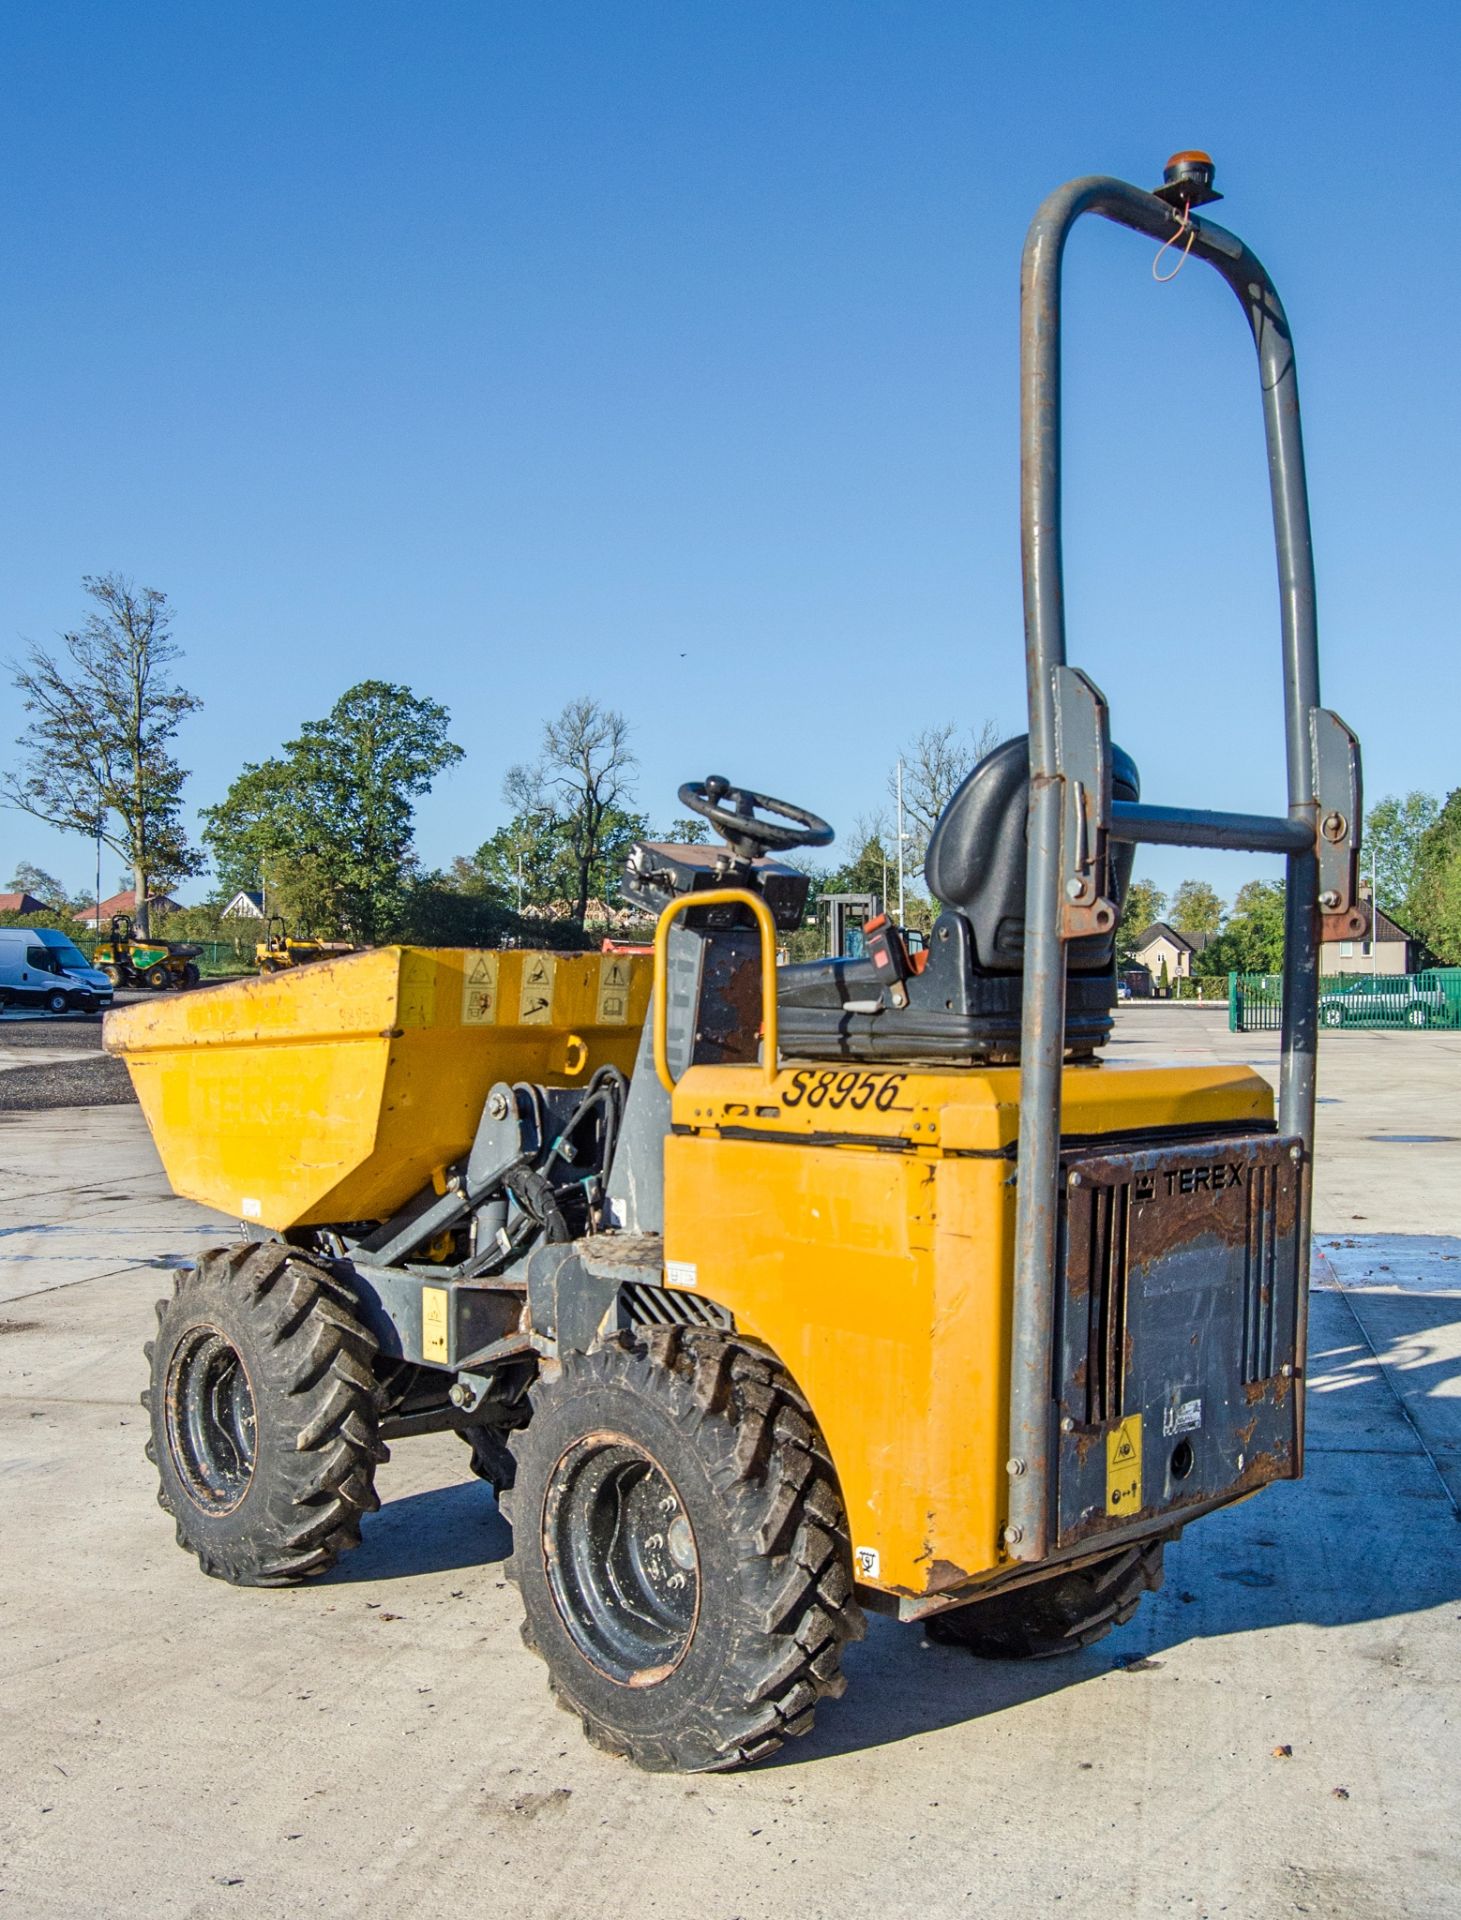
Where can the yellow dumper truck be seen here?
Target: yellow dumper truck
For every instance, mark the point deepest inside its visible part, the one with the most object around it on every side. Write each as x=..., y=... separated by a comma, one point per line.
x=767, y=1296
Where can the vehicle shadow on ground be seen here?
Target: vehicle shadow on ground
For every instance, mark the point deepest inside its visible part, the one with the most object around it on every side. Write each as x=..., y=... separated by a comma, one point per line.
x=1223, y=1579
x=446, y=1529
x=1367, y=1537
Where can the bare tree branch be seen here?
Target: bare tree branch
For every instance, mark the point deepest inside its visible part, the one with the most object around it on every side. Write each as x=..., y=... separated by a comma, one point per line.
x=95, y=752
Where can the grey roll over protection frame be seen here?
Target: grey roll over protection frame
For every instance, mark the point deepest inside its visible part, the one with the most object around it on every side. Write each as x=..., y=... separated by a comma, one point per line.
x=1072, y=814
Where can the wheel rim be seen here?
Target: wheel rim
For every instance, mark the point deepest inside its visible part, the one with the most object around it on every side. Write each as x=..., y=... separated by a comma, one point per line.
x=621, y=1559
x=212, y=1427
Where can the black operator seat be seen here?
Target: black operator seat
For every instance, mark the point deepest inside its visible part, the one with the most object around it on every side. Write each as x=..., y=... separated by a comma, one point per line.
x=976, y=859
x=962, y=1005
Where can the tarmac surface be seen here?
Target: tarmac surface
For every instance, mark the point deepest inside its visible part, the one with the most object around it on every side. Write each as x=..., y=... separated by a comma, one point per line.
x=1275, y=1733
x=55, y=1060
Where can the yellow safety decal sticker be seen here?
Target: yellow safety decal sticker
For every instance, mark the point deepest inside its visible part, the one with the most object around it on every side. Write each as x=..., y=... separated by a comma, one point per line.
x=433, y=1324
x=1123, y=1466
x=479, y=990
x=868, y=1563
x=535, y=1002
x=613, y=990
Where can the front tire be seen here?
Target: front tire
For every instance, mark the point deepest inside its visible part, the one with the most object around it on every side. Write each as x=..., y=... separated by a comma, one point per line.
x=682, y=1551
x=263, y=1409
x=1058, y=1615
x=158, y=979
x=1418, y=1017
x=1332, y=1016
x=57, y=1002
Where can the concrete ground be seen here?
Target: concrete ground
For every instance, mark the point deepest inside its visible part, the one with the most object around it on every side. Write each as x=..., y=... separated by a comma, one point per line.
x=1278, y=1731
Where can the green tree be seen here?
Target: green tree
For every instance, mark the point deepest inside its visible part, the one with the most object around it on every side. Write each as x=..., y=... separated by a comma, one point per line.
x=1434, y=900
x=535, y=855
x=1252, y=940
x=1196, y=908
x=873, y=868
x=328, y=825
x=1394, y=829
x=258, y=843
x=1145, y=902
x=577, y=795
x=96, y=755
x=40, y=884
x=689, y=831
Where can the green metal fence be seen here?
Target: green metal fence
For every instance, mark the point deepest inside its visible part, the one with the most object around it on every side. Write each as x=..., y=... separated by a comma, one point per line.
x=219, y=958
x=1369, y=1000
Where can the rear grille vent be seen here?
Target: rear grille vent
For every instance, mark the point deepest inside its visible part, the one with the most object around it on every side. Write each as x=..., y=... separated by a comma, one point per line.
x=1260, y=1275
x=1107, y=1227
x=660, y=1307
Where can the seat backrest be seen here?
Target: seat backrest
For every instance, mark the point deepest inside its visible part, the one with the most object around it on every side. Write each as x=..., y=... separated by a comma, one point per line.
x=976, y=859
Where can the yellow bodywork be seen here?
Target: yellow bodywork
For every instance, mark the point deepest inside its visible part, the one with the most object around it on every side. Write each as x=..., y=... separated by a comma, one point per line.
x=334, y=1092
x=860, y=1223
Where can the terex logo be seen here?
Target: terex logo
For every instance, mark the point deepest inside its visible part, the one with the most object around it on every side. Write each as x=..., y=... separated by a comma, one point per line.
x=1227, y=1173
x=1212, y=1179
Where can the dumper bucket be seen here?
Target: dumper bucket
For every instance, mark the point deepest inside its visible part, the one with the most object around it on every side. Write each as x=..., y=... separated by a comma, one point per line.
x=333, y=1093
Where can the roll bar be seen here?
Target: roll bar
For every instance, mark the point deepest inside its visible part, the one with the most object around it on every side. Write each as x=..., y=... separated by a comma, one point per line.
x=1072, y=816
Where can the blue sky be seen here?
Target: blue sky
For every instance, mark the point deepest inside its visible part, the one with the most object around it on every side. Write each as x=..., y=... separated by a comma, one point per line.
x=668, y=353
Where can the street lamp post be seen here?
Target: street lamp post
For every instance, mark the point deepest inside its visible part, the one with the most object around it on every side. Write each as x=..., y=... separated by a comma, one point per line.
x=902, y=848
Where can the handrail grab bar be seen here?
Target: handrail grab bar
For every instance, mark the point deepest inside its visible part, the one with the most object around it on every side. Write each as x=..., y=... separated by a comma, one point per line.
x=1043, y=1013
x=770, y=1031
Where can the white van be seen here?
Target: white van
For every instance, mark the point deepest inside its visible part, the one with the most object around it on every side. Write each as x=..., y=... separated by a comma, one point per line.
x=40, y=967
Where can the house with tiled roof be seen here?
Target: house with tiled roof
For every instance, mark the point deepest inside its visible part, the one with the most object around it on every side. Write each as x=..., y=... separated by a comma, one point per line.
x=1389, y=949
x=23, y=903
x=1162, y=942
x=246, y=905
x=126, y=902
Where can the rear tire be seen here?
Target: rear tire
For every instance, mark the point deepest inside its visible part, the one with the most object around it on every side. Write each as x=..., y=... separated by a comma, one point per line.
x=263, y=1409
x=113, y=974
x=682, y=1551
x=1418, y=1017
x=1055, y=1616
x=1331, y=1016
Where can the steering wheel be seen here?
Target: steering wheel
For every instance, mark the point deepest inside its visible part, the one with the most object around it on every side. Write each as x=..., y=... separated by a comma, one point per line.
x=736, y=814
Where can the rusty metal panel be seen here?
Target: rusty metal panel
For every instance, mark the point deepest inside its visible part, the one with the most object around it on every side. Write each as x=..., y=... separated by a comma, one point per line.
x=1179, y=1317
